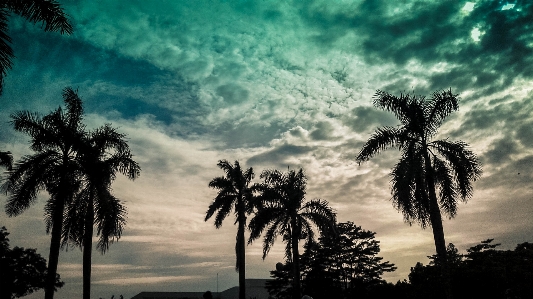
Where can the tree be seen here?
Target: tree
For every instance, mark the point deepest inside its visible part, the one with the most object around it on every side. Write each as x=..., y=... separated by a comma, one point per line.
x=425, y=164
x=47, y=12
x=282, y=210
x=340, y=265
x=234, y=193
x=103, y=154
x=55, y=139
x=23, y=270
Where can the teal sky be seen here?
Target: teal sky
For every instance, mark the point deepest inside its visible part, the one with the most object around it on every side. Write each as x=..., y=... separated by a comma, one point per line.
x=275, y=83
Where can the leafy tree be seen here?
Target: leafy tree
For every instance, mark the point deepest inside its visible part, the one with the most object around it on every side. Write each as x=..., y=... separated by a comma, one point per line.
x=341, y=265
x=425, y=165
x=47, y=12
x=234, y=193
x=55, y=139
x=103, y=154
x=23, y=270
x=484, y=272
x=282, y=210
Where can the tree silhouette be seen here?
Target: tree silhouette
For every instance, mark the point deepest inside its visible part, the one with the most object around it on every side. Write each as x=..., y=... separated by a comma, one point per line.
x=23, y=270
x=284, y=211
x=425, y=165
x=55, y=139
x=234, y=193
x=103, y=154
x=47, y=12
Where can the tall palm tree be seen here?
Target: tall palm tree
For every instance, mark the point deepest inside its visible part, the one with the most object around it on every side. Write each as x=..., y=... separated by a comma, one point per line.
x=103, y=154
x=425, y=164
x=234, y=193
x=47, y=12
x=284, y=211
x=55, y=139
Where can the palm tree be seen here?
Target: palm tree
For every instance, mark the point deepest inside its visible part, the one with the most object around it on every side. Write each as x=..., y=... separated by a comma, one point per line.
x=234, y=193
x=47, y=12
x=55, y=138
x=425, y=164
x=284, y=211
x=104, y=153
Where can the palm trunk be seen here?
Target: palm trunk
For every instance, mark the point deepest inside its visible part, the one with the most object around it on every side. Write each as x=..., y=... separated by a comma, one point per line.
x=438, y=230
x=241, y=259
x=55, y=245
x=87, y=249
x=295, y=260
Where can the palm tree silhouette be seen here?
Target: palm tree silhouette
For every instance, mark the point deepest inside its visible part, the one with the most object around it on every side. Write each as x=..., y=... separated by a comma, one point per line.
x=55, y=139
x=283, y=211
x=47, y=12
x=103, y=154
x=425, y=164
x=234, y=193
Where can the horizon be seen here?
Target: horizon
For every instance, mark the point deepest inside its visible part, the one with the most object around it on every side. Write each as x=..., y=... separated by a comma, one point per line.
x=274, y=84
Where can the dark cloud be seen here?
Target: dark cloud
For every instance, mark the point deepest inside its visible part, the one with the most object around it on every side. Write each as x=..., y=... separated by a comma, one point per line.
x=363, y=119
x=233, y=93
x=277, y=156
x=525, y=134
x=323, y=131
x=501, y=151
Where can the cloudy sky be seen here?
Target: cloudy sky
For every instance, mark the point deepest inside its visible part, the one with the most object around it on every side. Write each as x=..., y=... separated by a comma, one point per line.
x=275, y=84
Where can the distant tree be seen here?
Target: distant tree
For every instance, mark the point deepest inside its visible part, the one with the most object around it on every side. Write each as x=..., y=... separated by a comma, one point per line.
x=425, y=164
x=207, y=295
x=234, y=193
x=23, y=270
x=484, y=272
x=282, y=210
x=104, y=153
x=47, y=12
x=55, y=139
x=341, y=265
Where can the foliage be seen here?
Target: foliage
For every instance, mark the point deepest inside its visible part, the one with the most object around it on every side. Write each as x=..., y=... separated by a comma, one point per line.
x=23, y=270
x=484, y=272
x=344, y=264
x=47, y=12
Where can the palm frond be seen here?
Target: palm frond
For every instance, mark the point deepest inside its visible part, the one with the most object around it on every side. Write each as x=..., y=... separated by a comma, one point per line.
x=440, y=106
x=443, y=176
x=464, y=163
x=47, y=12
x=6, y=160
x=382, y=139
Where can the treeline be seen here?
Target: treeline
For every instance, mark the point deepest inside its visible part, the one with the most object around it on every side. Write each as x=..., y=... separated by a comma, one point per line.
x=483, y=272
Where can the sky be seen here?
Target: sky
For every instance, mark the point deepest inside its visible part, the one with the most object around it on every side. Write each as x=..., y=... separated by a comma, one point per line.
x=274, y=84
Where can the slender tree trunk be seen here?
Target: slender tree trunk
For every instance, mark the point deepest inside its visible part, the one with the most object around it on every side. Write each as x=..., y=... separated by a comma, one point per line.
x=295, y=260
x=241, y=256
x=87, y=248
x=438, y=230
x=55, y=245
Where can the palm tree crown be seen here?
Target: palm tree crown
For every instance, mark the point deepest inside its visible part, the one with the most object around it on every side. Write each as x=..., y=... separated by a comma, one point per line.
x=55, y=138
x=103, y=154
x=47, y=12
x=234, y=194
x=448, y=164
x=283, y=210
